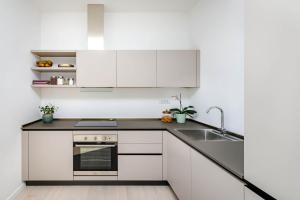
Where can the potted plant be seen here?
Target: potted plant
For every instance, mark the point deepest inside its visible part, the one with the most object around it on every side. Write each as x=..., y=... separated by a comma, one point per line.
x=48, y=111
x=181, y=112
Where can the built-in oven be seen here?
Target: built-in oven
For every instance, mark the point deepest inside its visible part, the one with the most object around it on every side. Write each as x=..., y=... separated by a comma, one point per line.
x=95, y=155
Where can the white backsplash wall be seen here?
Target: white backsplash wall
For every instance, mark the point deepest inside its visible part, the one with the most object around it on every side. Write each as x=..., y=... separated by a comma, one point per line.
x=217, y=28
x=20, y=27
x=118, y=103
x=122, y=30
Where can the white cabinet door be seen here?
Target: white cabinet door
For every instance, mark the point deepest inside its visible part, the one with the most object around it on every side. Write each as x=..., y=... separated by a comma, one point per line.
x=140, y=167
x=210, y=182
x=179, y=167
x=96, y=68
x=177, y=68
x=50, y=155
x=136, y=68
x=249, y=195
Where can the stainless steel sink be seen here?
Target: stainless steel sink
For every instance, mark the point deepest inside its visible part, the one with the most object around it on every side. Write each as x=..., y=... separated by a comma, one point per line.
x=207, y=135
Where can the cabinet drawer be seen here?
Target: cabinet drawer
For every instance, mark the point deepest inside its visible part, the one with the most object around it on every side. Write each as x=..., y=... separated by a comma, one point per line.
x=135, y=167
x=140, y=148
x=140, y=137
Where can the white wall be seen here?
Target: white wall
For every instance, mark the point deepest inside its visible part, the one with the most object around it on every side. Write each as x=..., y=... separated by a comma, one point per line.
x=272, y=96
x=19, y=34
x=217, y=30
x=119, y=103
x=122, y=30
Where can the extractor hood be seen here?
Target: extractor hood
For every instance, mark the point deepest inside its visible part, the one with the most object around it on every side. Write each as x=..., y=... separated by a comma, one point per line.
x=95, y=24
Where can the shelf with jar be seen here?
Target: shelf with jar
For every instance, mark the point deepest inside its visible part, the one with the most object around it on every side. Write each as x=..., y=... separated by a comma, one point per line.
x=54, y=69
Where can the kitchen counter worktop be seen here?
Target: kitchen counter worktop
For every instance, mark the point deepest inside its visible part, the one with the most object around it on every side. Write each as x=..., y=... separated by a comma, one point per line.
x=228, y=155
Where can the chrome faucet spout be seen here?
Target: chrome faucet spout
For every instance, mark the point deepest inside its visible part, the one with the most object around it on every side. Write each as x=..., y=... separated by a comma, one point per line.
x=222, y=129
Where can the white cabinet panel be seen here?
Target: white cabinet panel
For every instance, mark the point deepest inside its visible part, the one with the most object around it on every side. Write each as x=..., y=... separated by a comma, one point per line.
x=179, y=167
x=50, y=155
x=140, y=167
x=136, y=68
x=249, y=195
x=177, y=68
x=210, y=182
x=96, y=68
x=140, y=137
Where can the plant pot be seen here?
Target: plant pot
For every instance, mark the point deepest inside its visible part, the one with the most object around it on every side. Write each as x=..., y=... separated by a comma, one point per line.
x=47, y=118
x=180, y=118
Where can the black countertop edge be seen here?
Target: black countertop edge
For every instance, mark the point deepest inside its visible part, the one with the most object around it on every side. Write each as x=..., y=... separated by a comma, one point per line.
x=258, y=191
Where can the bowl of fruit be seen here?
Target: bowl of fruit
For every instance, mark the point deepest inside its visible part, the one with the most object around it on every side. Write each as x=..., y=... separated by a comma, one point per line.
x=44, y=63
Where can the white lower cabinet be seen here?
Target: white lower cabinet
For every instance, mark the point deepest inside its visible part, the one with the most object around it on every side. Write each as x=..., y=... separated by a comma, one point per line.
x=140, y=167
x=179, y=167
x=249, y=195
x=210, y=182
x=50, y=155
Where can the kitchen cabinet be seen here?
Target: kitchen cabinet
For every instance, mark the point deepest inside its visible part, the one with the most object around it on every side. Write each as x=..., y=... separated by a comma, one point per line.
x=179, y=167
x=96, y=68
x=249, y=195
x=50, y=155
x=136, y=68
x=140, y=167
x=209, y=181
x=177, y=68
x=140, y=142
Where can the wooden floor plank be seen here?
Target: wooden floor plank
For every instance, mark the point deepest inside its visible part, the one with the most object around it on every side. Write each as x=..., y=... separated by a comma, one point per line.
x=96, y=193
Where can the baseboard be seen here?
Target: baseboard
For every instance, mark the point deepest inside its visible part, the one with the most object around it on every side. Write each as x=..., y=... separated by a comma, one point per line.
x=15, y=193
x=112, y=182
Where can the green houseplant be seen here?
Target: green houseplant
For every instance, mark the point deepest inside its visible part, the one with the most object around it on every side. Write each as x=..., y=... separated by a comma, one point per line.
x=181, y=112
x=48, y=111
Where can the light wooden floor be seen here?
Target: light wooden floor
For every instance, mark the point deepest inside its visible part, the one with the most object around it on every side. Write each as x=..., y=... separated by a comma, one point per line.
x=96, y=193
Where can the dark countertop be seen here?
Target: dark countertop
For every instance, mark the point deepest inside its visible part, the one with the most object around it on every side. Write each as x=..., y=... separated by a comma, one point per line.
x=228, y=155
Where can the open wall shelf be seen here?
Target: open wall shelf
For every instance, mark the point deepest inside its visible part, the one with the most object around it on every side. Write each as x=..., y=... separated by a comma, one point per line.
x=54, y=86
x=51, y=53
x=54, y=69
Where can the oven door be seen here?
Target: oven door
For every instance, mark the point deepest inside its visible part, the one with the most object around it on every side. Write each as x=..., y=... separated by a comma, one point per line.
x=92, y=159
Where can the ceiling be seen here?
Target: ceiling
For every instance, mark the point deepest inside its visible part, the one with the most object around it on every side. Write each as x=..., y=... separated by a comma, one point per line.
x=119, y=5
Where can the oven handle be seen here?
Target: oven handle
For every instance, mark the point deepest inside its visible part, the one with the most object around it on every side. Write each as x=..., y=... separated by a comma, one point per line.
x=95, y=146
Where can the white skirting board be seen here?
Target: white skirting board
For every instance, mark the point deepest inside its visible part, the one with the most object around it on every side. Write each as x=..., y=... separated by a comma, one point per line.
x=16, y=192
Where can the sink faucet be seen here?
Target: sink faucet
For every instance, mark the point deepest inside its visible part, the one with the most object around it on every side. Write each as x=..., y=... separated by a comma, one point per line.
x=222, y=129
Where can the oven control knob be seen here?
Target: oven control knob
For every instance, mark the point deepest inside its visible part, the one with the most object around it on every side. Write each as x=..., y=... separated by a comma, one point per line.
x=95, y=138
x=85, y=138
x=104, y=138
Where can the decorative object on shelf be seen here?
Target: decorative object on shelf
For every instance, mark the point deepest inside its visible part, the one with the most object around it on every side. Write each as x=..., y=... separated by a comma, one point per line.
x=48, y=111
x=44, y=63
x=71, y=81
x=40, y=82
x=60, y=80
x=167, y=116
x=181, y=112
x=53, y=80
x=65, y=65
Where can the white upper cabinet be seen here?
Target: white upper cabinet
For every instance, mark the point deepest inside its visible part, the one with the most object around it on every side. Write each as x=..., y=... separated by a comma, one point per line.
x=136, y=68
x=211, y=182
x=177, y=68
x=96, y=68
